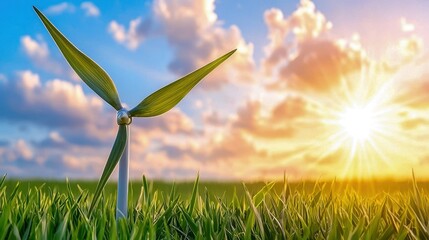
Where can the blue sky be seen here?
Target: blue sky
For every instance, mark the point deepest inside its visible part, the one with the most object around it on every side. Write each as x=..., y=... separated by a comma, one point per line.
x=263, y=103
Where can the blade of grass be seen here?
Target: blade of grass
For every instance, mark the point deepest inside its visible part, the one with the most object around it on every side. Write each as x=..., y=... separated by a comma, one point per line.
x=194, y=196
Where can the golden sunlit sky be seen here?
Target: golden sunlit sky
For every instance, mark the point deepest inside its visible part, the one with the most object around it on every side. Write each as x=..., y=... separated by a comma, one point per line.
x=316, y=90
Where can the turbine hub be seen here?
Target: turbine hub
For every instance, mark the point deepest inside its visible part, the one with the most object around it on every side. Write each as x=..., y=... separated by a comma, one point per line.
x=123, y=117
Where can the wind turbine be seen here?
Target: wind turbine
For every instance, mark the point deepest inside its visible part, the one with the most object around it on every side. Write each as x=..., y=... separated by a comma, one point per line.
x=155, y=104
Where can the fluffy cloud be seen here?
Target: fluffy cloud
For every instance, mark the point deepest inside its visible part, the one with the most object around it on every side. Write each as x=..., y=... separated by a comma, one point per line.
x=276, y=51
x=37, y=50
x=175, y=121
x=53, y=103
x=61, y=8
x=319, y=65
x=131, y=38
x=225, y=156
x=57, y=104
x=21, y=150
x=305, y=23
x=90, y=9
x=251, y=121
x=281, y=121
x=17, y=157
x=197, y=37
x=81, y=130
x=214, y=118
x=290, y=108
x=23, y=160
x=285, y=127
x=302, y=56
x=406, y=26
x=232, y=147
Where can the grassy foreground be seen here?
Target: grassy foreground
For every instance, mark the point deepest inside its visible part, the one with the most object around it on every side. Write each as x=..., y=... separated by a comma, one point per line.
x=159, y=210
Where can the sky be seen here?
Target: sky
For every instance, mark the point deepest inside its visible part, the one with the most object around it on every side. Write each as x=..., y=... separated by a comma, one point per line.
x=316, y=89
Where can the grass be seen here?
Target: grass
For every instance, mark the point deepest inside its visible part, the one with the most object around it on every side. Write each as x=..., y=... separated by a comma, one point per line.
x=161, y=210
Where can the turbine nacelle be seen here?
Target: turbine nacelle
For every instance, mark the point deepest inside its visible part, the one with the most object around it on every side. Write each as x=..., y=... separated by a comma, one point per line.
x=123, y=117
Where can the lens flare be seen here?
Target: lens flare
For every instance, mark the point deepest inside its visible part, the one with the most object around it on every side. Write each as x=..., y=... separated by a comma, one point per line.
x=359, y=132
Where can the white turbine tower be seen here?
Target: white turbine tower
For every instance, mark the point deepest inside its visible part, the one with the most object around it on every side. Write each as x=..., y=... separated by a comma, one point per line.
x=155, y=104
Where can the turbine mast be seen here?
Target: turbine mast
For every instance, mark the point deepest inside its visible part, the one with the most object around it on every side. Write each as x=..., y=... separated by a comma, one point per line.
x=123, y=179
x=123, y=118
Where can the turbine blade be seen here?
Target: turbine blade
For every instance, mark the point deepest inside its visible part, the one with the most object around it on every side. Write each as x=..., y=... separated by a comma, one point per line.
x=167, y=97
x=112, y=161
x=89, y=71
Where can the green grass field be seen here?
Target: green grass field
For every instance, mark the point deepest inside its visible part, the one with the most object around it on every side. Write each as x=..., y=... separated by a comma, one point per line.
x=36, y=209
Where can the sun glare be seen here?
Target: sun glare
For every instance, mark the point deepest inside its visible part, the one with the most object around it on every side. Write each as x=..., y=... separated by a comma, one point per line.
x=361, y=131
x=358, y=123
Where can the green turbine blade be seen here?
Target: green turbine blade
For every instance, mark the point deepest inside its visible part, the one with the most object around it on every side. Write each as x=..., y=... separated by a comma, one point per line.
x=112, y=161
x=167, y=97
x=89, y=71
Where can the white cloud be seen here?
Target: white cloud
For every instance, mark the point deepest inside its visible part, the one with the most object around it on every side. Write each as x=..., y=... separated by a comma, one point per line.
x=197, y=37
x=90, y=9
x=65, y=103
x=132, y=37
x=61, y=8
x=19, y=150
x=276, y=51
x=23, y=149
x=80, y=129
x=38, y=52
x=233, y=144
x=34, y=48
x=306, y=22
x=56, y=137
x=407, y=26
x=28, y=80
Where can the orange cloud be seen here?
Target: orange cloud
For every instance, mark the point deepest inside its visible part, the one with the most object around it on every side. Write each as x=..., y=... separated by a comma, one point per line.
x=305, y=23
x=250, y=120
x=290, y=108
x=273, y=130
x=319, y=65
x=301, y=57
x=197, y=37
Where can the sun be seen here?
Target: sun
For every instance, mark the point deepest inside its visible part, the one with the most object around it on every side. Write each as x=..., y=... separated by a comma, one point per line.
x=356, y=130
x=359, y=123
